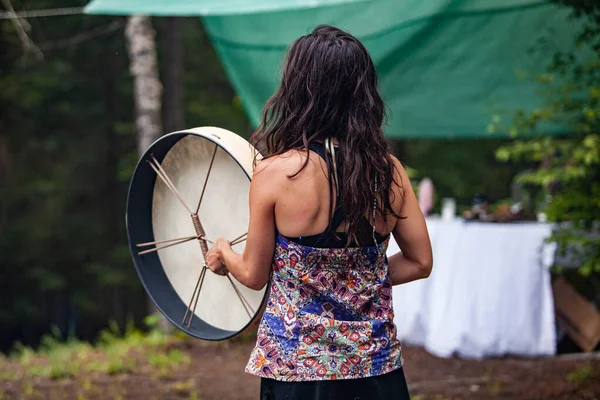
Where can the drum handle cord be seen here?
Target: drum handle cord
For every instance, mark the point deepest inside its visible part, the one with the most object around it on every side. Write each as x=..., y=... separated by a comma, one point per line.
x=196, y=295
x=166, y=180
x=176, y=241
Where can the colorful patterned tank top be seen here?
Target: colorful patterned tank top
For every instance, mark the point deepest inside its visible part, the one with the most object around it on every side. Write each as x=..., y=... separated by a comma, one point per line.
x=328, y=316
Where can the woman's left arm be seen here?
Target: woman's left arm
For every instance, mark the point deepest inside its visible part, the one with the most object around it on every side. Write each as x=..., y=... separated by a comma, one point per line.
x=252, y=268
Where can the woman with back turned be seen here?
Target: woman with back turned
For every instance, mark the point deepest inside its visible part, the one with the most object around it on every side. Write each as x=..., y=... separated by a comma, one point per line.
x=323, y=203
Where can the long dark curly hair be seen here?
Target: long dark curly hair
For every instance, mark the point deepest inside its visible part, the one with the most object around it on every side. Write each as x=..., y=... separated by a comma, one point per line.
x=329, y=90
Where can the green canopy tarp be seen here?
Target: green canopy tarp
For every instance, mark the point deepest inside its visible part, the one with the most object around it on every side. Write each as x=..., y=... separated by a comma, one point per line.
x=445, y=67
x=202, y=7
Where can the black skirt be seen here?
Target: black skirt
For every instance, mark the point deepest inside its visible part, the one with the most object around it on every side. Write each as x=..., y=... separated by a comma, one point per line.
x=391, y=386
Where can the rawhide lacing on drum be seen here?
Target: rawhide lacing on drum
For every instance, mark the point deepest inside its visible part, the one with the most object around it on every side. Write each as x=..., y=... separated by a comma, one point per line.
x=200, y=236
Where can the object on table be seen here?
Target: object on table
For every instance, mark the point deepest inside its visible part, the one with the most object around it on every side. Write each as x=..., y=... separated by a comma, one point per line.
x=503, y=212
x=576, y=315
x=426, y=193
x=516, y=191
x=542, y=217
x=448, y=209
x=506, y=213
x=480, y=204
x=479, y=209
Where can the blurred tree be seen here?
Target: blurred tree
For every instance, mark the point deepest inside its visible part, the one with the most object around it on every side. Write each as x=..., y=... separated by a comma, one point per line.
x=148, y=89
x=67, y=152
x=209, y=98
x=173, y=71
x=62, y=239
x=461, y=168
x=147, y=86
x=68, y=149
x=568, y=167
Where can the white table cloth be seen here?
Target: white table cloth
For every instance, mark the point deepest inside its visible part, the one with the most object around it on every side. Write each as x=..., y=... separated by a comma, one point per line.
x=489, y=293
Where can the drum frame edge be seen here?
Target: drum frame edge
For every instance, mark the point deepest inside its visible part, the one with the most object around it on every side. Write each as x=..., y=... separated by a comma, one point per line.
x=244, y=159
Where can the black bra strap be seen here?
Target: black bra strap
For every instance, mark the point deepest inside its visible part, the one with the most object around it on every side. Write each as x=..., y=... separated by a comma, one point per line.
x=318, y=148
x=329, y=238
x=338, y=215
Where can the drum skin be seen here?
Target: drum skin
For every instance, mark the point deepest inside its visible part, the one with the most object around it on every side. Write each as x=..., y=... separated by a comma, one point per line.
x=154, y=213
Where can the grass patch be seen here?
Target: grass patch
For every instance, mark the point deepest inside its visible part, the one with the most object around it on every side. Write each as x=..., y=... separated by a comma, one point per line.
x=431, y=397
x=164, y=362
x=8, y=376
x=494, y=386
x=183, y=388
x=115, y=353
x=581, y=375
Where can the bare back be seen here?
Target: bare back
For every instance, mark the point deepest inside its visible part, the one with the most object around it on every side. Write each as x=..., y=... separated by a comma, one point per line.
x=302, y=205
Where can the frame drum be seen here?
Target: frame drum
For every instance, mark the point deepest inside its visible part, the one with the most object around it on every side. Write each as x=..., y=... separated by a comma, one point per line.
x=189, y=188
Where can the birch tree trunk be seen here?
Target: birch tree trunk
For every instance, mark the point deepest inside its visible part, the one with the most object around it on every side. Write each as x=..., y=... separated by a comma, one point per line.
x=147, y=87
x=147, y=92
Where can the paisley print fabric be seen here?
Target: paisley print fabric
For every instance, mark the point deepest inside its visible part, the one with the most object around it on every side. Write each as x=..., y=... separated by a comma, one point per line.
x=329, y=315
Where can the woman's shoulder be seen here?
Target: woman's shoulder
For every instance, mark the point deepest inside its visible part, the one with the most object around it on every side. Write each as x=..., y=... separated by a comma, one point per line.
x=281, y=165
x=400, y=174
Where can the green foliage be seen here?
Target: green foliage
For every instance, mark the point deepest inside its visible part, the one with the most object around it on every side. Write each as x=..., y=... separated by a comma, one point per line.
x=581, y=375
x=115, y=353
x=62, y=234
x=461, y=168
x=55, y=358
x=182, y=388
x=164, y=362
x=67, y=152
x=567, y=168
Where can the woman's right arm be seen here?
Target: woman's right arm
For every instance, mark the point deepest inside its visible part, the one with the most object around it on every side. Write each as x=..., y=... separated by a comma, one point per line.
x=415, y=259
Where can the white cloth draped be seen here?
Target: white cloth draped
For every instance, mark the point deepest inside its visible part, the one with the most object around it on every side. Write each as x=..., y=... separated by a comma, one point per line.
x=489, y=293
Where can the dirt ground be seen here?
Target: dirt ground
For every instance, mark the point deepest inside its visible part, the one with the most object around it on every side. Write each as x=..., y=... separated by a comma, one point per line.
x=216, y=372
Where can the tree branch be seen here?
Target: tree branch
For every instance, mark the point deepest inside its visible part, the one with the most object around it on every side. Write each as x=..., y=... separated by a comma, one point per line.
x=22, y=26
